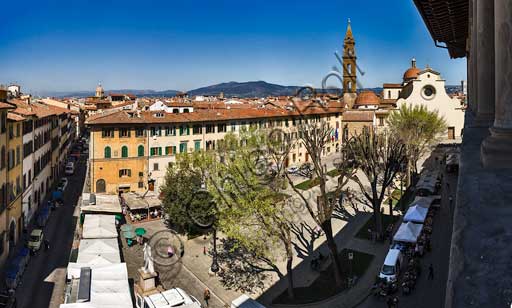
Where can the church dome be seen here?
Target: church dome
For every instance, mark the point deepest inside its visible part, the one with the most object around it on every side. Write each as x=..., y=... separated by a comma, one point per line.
x=367, y=97
x=412, y=72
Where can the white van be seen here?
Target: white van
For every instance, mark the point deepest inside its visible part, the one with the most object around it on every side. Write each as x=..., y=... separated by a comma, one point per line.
x=391, y=267
x=70, y=168
x=171, y=298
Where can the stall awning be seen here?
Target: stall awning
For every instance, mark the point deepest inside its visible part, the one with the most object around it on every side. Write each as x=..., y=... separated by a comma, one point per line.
x=416, y=214
x=99, y=226
x=98, y=251
x=135, y=201
x=408, y=232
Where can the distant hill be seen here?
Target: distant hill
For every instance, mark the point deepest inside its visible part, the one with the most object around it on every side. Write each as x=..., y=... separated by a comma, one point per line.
x=230, y=89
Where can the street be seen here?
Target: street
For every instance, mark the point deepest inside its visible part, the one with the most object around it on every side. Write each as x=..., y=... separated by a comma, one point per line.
x=431, y=293
x=38, y=283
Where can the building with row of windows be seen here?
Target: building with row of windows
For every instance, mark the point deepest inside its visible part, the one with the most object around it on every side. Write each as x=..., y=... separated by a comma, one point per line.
x=35, y=139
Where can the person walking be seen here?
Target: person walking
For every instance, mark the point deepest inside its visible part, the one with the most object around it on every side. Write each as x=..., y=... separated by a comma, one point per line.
x=206, y=296
x=430, y=272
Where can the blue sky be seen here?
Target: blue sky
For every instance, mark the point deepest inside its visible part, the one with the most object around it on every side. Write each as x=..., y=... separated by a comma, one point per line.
x=59, y=45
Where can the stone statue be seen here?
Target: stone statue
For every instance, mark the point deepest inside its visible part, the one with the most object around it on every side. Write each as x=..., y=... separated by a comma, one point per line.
x=149, y=267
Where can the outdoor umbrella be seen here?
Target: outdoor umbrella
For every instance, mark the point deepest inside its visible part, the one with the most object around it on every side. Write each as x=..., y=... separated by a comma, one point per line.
x=126, y=227
x=119, y=217
x=140, y=231
x=129, y=234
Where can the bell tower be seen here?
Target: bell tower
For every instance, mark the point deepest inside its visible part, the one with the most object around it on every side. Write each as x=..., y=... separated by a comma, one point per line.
x=349, y=62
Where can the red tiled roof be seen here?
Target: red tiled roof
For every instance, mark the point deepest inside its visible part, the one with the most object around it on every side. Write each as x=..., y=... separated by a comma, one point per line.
x=392, y=85
x=205, y=115
x=14, y=117
x=358, y=116
x=6, y=106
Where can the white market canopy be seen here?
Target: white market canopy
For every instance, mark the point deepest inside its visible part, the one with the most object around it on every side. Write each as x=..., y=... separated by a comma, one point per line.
x=424, y=202
x=98, y=252
x=99, y=226
x=109, y=288
x=416, y=214
x=100, y=203
x=408, y=232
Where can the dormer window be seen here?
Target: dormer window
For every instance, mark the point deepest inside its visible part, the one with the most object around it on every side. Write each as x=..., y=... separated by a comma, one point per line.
x=159, y=115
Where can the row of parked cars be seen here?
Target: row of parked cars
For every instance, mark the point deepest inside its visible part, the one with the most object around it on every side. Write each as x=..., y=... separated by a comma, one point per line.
x=305, y=170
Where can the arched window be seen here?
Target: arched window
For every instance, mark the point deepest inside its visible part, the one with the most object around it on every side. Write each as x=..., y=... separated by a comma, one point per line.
x=349, y=68
x=140, y=150
x=100, y=186
x=124, y=151
x=108, y=152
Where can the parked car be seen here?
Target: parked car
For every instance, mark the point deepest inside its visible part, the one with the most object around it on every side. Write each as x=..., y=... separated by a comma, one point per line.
x=63, y=183
x=36, y=239
x=70, y=168
x=292, y=170
x=391, y=267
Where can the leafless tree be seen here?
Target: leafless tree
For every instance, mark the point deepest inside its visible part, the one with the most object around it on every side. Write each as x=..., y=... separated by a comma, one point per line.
x=314, y=135
x=379, y=157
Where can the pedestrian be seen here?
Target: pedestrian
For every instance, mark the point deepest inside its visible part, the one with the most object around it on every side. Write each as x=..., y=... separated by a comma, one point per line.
x=206, y=296
x=46, y=245
x=430, y=272
x=389, y=302
x=395, y=302
x=204, y=250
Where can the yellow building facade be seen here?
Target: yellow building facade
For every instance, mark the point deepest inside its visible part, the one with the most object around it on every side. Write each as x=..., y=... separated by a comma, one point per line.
x=14, y=178
x=119, y=158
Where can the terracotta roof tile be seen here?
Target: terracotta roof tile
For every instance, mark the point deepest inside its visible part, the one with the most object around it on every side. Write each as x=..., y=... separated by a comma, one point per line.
x=14, y=117
x=358, y=116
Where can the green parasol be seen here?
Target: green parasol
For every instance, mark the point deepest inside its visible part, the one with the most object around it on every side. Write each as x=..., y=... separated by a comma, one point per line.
x=140, y=231
x=126, y=227
x=119, y=217
x=129, y=234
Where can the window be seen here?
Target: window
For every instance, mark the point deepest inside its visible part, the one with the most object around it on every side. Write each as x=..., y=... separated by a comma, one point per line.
x=170, y=131
x=155, y=166
x=197, y=129
x=197, y=145
x=141, y=185
x=184, y=130
x=124, y=133
x=185, y=110
x=183, y=147
x=140, y=150
x=141, y=173
x=125, y=172
x=156, y=151
x=221, y=128
x=124, y=151
x=139, y=132
x=381, y=121
x=155, y=131
x=175, y=110
x=18, y=155
x=107, y=133
x=233, y=126
x=170, y=150
x=210, y=128
x=108, y=152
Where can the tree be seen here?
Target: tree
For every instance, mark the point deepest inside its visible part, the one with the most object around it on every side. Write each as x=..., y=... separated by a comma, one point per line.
x=418, y=128
x=251, y=209
x=182, y=182
x=379, y=157
x=315, y=135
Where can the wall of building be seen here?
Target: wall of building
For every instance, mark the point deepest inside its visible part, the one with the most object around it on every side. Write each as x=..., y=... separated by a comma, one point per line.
x=3, y=189
x=15, y=182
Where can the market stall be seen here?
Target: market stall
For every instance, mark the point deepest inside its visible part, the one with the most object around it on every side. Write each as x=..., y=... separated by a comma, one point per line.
x=99, y=226
x=416, y=214
x=408, y=232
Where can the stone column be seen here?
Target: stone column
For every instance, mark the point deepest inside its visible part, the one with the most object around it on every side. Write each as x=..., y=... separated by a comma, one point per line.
x=485, y=62
x=497, y=148
x=473, y=58
x=471, y=61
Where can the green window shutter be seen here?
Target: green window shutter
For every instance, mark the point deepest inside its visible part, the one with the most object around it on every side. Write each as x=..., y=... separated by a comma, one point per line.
x=159, y=150
x=141, y=150
x=198, y=145
x=124, y=151
x=173, y=149
x=166, y=150
x=188, y=130
x=107, y=152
